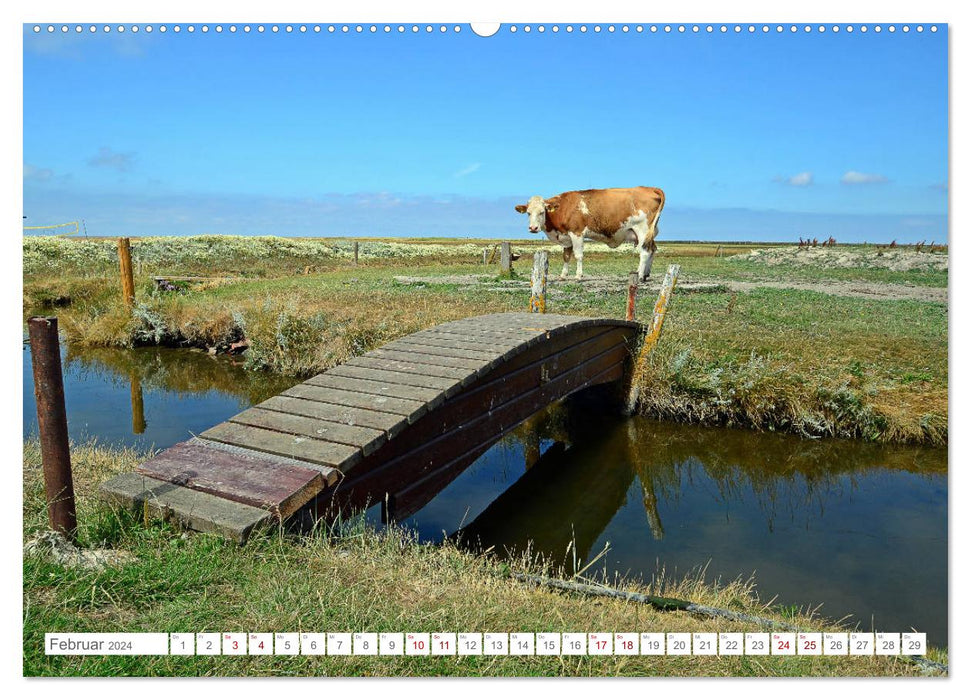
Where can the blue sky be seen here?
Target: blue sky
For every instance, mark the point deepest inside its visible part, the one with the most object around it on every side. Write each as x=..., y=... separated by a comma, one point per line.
x=752, y=137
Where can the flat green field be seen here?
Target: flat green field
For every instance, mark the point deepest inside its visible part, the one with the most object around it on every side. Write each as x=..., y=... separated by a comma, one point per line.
x=848, y=341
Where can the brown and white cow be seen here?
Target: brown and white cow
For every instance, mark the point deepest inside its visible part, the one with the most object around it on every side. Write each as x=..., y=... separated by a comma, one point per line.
x=610, y=216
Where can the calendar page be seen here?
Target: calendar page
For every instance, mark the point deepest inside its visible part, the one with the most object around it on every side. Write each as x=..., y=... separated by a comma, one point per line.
x=581, y=342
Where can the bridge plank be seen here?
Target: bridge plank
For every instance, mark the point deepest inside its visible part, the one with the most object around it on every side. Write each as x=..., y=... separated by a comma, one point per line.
x=369, y=386
x=427, y=338
x=484, y=336
x=429, y=359
x=549, y=346
x=340, y=397
x=403, y=378
x=389, y=423
x=367, y=439
x=447, y=351
x=262, y=482
x=409, y=367
x=195, y=510
x=329, y=454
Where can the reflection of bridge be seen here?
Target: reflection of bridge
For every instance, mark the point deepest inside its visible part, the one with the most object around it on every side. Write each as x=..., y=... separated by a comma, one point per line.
x=409, y=413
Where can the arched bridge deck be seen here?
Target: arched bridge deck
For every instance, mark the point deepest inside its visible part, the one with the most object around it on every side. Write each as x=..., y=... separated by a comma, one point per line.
x=389, y=421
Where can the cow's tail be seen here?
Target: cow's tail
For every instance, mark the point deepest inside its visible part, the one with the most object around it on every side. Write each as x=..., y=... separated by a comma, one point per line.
x=652, y=229
x=657, y=214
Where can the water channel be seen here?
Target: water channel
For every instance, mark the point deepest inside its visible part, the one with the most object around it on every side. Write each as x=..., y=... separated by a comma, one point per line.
x=857, y=527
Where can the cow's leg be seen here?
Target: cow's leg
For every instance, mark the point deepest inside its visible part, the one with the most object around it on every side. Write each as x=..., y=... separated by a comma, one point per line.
x=578, y=252
x=567, y=256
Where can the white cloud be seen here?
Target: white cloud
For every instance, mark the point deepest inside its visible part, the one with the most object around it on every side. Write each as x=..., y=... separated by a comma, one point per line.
x=468, y=170
x=106, y=158
x=799, y=180
x=852, y=177
x=32, y=172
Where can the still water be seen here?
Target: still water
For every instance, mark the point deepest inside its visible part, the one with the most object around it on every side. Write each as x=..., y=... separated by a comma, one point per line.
x=856, y=527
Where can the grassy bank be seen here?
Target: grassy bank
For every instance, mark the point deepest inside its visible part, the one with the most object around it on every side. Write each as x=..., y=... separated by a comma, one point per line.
x=817, y=362
x=349, y=578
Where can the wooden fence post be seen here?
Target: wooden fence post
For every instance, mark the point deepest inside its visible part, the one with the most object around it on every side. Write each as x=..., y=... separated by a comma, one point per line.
x=653, y=333
x=505, y=258
x=45, y=353
x=127, y=279
x=631, y=295
x=355, y=252
x=541, y=268
x=485, y=256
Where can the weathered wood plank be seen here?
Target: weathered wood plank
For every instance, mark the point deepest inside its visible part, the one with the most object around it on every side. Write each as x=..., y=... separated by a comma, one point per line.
x=428, y=359
x=479, y=335
x=403, y=378
x=369, y=386
x=384, y=404
x=446, y=351
x=466, y=340
x=263, y=482
x=408, y=367
x=427, y=338
x=195, y=510
x=367, y=439
x=329, y=454
x=550, y=346
x=348, y=415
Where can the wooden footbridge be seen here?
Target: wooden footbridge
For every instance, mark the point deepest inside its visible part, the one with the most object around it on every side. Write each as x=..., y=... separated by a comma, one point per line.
x=396, y=420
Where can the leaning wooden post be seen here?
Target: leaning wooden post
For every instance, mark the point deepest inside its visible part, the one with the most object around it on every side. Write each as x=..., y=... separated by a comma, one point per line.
x=52, y=423
x=631, y=295
x=652, y=334
x=355, y=252
x=541, y=268
x=505, y=258
x=127, y=280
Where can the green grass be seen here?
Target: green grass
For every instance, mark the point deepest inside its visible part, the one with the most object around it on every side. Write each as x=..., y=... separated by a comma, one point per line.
x=348, y=577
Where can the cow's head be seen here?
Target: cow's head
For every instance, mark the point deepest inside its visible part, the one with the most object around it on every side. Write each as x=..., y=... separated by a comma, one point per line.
x=537, y=208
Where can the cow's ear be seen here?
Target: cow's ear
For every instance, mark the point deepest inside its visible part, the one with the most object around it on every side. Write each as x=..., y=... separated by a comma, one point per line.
x=550, y=208
x=521, y=208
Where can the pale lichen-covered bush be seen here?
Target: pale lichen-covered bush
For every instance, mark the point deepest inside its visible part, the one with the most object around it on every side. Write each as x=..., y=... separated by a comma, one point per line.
x=181, y=253
x=45, y=253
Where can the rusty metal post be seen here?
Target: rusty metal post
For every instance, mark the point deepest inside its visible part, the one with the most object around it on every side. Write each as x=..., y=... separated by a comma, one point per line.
x=505, y=258
x=355, y=252
x=541, y=268
x=127, y=279
x=52, y=424
x=631, y=295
